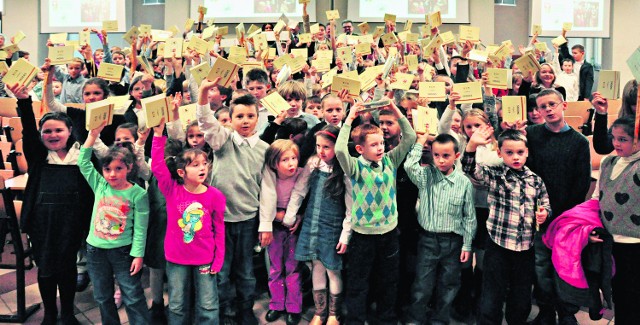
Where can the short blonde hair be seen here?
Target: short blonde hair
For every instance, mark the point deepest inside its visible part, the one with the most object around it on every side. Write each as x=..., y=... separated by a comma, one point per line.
x=276, y=150
x=292, y=89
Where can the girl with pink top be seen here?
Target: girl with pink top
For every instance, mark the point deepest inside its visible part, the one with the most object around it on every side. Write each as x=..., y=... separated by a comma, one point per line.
x=194, y=241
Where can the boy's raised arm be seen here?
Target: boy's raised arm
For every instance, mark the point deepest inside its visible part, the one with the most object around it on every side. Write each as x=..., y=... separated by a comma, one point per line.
x=214, y=133
x=342, y=151
x=408, y=137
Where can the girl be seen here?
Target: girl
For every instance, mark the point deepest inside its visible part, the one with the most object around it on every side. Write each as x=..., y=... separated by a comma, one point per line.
x=618, y=190
x=601, y=141
x=544, y=78
x=194, y=241
x=281, y=161
x=57, y=205
x=326, y=226
x=117, y=233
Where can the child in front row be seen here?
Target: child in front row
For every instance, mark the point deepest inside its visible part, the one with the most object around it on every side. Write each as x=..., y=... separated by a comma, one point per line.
x=280, y=175
x=518, y=200
x=448, y=220
x=374, y=246
x=117, y=233
x=239, y=155
x=194, y=241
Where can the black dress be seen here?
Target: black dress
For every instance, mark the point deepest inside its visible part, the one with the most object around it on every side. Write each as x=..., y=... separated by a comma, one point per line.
x=57, y=203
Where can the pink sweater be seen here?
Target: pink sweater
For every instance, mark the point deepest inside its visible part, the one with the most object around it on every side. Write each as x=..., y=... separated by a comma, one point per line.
x=195, y=222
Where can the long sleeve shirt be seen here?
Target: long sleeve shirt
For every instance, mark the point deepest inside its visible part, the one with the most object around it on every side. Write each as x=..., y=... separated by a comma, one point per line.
x=71, y=88
x=120, y=217
x=195, y=222
x=446, y=202
x=513, y=200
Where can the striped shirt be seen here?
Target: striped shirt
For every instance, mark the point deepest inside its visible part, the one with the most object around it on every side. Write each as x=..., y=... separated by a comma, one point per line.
x=446, y=201
x=512, y=200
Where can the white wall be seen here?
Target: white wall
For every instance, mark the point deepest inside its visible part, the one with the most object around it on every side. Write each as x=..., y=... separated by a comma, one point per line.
x=25, y=16
x=624, y=37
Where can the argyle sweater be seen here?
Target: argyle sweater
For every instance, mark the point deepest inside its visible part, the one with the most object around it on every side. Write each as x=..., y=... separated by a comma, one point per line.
x=374, y=210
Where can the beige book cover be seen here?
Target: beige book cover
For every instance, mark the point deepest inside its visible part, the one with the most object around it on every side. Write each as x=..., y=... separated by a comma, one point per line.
x=274, y=103
x=470, y=92
x=155, y=108
x=226, y=70
x=514, y=108
x=433, y=91
x=351, y=85
x=60, y=55
x=97, y=113
x=110, y=72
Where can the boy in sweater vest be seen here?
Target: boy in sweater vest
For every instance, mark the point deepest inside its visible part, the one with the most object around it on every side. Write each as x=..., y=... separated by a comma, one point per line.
x=239, y=157
x=374, y=216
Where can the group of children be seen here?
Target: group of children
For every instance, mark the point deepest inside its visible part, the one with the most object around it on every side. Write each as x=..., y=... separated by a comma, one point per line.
x=379, y=211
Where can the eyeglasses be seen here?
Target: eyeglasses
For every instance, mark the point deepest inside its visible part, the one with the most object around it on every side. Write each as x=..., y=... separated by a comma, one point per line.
x=551, y=105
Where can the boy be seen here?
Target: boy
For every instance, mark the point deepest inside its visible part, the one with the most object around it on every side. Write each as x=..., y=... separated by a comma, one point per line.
x=256, y=81
x=374, y=215
x=516, y=195
x=239, y=156
x=448, y=219
x=72, y=82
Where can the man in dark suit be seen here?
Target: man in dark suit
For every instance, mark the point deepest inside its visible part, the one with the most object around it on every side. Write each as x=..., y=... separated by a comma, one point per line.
x=586, y=72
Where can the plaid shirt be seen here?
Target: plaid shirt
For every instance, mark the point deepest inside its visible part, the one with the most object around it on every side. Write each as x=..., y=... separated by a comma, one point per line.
x=512, y=202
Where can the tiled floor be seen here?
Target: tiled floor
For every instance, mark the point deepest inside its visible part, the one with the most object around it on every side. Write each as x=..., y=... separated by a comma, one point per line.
x=87, y=312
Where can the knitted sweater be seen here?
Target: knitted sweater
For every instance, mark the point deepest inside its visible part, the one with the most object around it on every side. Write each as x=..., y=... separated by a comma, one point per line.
x=563, y=162
x=619, y=198
x=374, y=209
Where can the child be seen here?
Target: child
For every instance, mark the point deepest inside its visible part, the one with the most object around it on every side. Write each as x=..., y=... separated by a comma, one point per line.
x=239, y=154
x=256, y=81
x=284, y=274
x=222, y=115
x=517, y=201
x=295, y=94
x=374, y=215
x=448, y=222
x=312, y=106
x=117, y=233
x=72, y=83
x=619, y=175
x=194, y=241
x=326, y=226
x=57, y=205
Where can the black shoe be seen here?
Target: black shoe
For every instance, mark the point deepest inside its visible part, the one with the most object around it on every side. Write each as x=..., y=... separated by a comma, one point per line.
x=50, y=319
x=568, y=320
x=293, y=319
x=82, y=281
x=273, y=315
x=69, y=320
x=157, y=313
x=247, y=317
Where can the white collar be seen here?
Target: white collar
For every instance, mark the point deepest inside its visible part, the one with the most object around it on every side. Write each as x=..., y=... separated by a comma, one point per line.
x=252, y=140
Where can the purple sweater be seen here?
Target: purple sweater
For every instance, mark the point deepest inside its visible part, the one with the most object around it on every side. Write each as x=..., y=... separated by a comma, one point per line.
x=195, y=222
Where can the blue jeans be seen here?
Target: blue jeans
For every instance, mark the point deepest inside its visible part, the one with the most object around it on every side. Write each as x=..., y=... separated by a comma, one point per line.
x=240, y=238
x=180, y=278
x=103, y=265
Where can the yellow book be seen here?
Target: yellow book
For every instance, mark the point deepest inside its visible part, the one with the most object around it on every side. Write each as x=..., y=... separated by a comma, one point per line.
x=272, y=52
x=280, y=61
x=274, y=103
x=250, y=65
x=470, y=92
x=202, y=10
x=478, y=56
x=97, y=113
x=499, y=78
x=58, y=38
x=324, y=54
x=344, y=54
x=110, y=72
x=567, y=26
x=188, y=24
x=144, y=62
x=120, y=103
x=200, y=72
x=403, y=81
x=469, y=33
x=19, y=37
x=321, y=65
x=84, y=37
x=434, y=44
x=393, y=51
x=303, y=1
x=304, y=38
x=378, y=32
x=208, y=32
x=364, y=27
x=199, y=45
x=432, y=120
x=363, y=49
x=327, y=78
x=226, y=70
x=433, y=91
x=366, y=39
x=297, y=63
x=144, y=29
x=419, y=118
x=300, y=52
x=237, y=54
x=541, y=46
x=161, y=35
x=412, y=62
x=434, y=19
x=609, y=84
x=333, y=14
x=73, y=43
x=390, y=17
x=389, y=39
x=171, y=32
x=21, y=73
x=60, y=55
x=221, y=31
x=501, y=53
x=352, y=74
x=279, y=26
x=110, y=25
x=412, y=38
x=314, y=29
x=13, y=48
x=155, y=108
x=210, y=22
x=3, y=67
x=408, y=25
x=260, y=42
x=514, y=108
x=173, y=48
x=558, y=40
x=447, y=37
x=252, y=29
x=351, y=85
x=368, y=77
x=633, y=62
x=536, y=29
x=527, y=63
x=131, y=35
x=187, y=114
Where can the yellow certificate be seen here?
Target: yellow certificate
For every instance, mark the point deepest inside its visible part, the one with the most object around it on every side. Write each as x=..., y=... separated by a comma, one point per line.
x=351, y=85
x=514, y=108
x=344, y=54
x=200, y=72
x=58, y=38
x=111, y=72
x=60, y=55
x=274, y=103
x=333, y=14
x=363, y=49
x=110, y=25
x=433, y=91
x=131, y=35
x=155, y=108
x=97, y=113
x=21, y=73
x=403, y=81
x=224, y=69
x=499, y=78
x=469, y=33
x=470, y=92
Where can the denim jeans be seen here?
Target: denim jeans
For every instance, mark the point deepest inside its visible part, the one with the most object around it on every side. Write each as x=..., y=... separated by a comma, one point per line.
x=180, y=278
x=103, y=265
x=438, y=270
x=374, y=256
x=507, y=277
x=240, y=238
